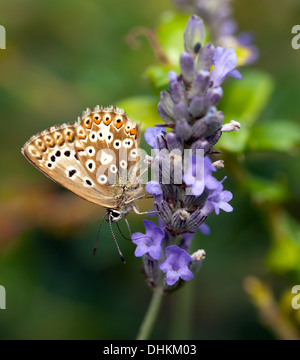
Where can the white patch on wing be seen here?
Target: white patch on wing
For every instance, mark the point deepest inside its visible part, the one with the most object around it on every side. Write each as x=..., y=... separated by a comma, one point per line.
x=106, y=158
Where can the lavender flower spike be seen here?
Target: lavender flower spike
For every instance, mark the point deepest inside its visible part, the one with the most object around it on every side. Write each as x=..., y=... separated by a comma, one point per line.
x=224, y=61
x=150, y=242
x=176, y=265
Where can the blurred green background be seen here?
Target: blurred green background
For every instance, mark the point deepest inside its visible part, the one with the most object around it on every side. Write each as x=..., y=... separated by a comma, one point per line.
x=64, y=56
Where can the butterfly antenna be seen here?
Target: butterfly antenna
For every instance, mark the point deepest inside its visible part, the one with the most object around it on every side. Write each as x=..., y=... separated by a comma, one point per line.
x=122, y=232
x=96, y=244
x=111, y=229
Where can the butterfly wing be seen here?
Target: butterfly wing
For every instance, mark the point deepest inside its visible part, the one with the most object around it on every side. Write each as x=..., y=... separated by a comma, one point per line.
x=107, y=146
x=53, y=152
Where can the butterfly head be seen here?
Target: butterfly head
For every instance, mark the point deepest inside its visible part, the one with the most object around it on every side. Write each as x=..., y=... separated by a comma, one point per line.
x=115, y=215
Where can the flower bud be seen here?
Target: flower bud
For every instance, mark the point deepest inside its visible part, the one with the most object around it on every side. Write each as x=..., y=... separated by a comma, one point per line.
x=219, y=164
x=205, y=58
x=212, y=140
x=179, y=220
x=232, y=126
x=173, y=141
x=187, y=67
x=199, y=255
x=196, y=219
x=164, y=210
x=181, y=112
x=183, y=129
x=200, y=144
x=165, y=117
x=200, y=83
x=197, y=106
x=214, y=96
x=194, y=35
x=177, y=90
x=214, y=120
x=167, y=103
x=151, y=270
x=199, y=129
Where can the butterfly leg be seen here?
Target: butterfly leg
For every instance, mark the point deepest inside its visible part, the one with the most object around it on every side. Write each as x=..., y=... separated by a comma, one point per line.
x=136, y=210
x=145, y=196
x=127, y=223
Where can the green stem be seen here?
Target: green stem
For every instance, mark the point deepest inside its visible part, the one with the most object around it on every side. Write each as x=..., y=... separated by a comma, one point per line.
x=183, y=307
x=151, y=314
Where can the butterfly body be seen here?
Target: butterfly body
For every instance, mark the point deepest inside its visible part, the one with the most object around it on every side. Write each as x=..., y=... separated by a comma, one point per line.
x=96, y=158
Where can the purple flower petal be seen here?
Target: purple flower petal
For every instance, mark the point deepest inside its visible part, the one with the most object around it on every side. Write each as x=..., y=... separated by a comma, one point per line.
x=150, y=242
x=204, y=229
x=153, y=187
x=151, y=135
x=176, y=265
x=224, y=61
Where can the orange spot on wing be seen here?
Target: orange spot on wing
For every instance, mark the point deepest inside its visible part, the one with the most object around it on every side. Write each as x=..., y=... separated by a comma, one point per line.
x=133, y=132
x=79, y=148
x=97, y=119
x=60, y=141
x=82, y=137
x=88, y=123
x=49, y=141
x=107, y=121
x=118, y=123
x=70, y=137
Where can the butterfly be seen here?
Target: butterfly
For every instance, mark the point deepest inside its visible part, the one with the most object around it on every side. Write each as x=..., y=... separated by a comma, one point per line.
x=97, y=158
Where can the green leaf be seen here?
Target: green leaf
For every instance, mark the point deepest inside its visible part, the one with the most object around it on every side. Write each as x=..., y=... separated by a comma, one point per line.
x=243, y=101
x=285, y=252
x=274, y=135
x=264, y=190
x=158, y=74
x=141, y=109
x=170, y=34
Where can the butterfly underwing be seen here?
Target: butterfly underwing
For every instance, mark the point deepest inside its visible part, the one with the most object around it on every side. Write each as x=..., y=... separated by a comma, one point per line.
x=96, y=158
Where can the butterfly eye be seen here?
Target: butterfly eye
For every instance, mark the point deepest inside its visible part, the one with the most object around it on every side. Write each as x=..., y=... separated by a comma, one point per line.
x=115, y=215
